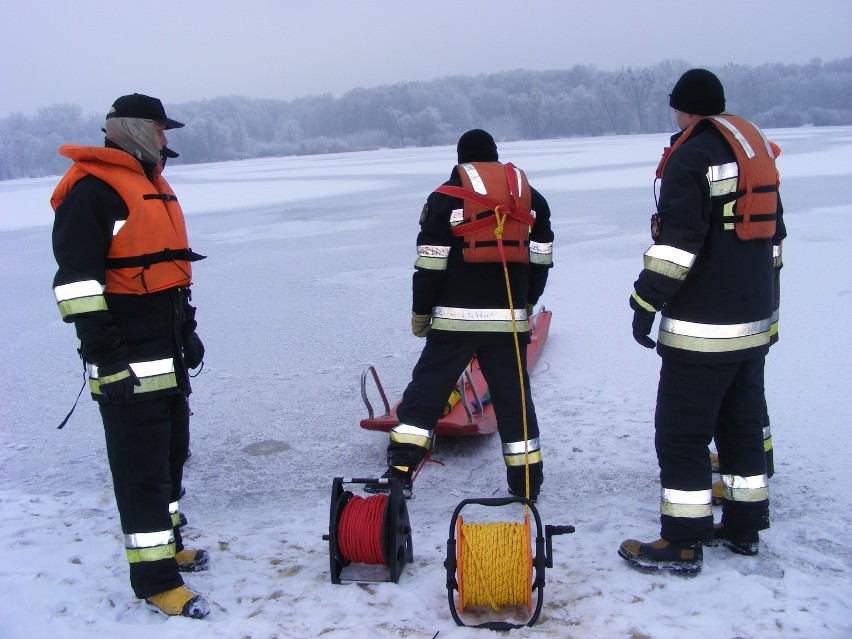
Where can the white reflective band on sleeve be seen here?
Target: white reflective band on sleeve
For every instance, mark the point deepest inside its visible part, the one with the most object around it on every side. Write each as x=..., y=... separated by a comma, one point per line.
x=456, y=217
x=426, y=250
x=475, y=179
x=478, y=314
x=149, y=540
x=714, y=331
x=517, y=448
x=671, y=254
x=723, y=172
x=74, y=290
x=544, y=248
x=739, y=136
x=174, y=507
x=776, y=250
x=117, y=227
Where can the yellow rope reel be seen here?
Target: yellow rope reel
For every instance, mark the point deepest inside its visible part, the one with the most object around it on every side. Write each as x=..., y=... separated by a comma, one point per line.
x=492, y=565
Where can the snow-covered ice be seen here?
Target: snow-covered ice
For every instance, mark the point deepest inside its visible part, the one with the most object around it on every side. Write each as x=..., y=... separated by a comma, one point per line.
x=307, y=282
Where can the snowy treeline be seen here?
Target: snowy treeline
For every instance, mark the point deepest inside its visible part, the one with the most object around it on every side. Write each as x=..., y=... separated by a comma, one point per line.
x=513, y=105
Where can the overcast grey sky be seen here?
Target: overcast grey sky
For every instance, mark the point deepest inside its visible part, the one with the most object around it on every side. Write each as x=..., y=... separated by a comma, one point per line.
x=88, y=52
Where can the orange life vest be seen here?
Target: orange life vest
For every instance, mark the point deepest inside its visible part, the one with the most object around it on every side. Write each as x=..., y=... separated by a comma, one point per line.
x=149, y=252
x=755, y=209
x=497, y=216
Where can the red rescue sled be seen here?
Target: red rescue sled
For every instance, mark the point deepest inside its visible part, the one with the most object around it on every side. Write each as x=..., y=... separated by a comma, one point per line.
x=472, y=412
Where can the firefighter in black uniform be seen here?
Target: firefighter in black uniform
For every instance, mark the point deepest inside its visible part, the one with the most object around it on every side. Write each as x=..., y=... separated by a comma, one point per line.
x=120, y=242
x=462, y=306
x=710, y=274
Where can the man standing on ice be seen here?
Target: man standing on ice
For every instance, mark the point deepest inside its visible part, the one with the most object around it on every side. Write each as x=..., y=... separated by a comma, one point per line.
x=120, y=241
x=472, y=296
x=710, y=274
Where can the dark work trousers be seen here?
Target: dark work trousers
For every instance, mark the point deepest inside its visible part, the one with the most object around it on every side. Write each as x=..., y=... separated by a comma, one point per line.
x=435, y=375
x=696, y=402
x=147, y=444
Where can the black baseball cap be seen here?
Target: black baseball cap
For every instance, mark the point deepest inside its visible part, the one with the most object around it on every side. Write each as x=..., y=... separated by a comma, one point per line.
x=144, y=107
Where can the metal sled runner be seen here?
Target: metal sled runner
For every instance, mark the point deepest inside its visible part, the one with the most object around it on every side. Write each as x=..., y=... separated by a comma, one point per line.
x=472, y=413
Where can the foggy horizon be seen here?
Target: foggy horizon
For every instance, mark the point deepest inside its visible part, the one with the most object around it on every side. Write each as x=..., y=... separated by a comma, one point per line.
x=89, y=52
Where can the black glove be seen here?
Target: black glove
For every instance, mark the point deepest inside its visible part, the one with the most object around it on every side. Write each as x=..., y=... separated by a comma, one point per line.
x=117, y=381
x=643, y=322
x=193, y=350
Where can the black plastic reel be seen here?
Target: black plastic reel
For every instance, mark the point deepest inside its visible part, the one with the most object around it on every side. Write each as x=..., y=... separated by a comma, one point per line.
x=397, y=548
x=541, y=559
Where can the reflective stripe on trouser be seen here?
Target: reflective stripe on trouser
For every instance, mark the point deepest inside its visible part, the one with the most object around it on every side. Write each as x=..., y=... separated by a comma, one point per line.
x=434, y=377
x=151, y=546
x=147, y=443
x=415, y=442
x=520, y=453
x=696, y=402
x=174, y=513
x=154, y=375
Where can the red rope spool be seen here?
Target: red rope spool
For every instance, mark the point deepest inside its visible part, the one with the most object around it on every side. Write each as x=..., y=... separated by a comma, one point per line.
x=360, y=532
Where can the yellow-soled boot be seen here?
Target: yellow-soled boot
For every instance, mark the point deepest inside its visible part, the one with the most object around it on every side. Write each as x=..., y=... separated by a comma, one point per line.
x=180, y=601
x=192, y=560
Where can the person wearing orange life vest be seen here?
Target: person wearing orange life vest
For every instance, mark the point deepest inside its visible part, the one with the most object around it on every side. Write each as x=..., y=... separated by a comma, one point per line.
x=462, y=307
x=710, y=275
x=123, y=278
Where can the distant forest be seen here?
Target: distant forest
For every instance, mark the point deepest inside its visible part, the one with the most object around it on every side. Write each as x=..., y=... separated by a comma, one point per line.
x=513, y=105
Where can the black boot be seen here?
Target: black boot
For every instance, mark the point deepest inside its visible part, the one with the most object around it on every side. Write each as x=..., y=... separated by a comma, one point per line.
x=663, y=555
x=741, y=542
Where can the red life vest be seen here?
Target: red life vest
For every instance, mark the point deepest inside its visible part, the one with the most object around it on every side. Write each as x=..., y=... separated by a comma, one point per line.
x=755, y=209
x=497, y=216
x=149, y=252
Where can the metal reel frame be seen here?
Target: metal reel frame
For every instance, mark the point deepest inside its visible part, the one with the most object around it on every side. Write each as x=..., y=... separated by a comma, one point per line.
x=397, y=547
x=542, y=559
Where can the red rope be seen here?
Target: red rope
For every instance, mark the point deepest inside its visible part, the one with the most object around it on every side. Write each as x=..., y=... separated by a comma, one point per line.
x=359, y=533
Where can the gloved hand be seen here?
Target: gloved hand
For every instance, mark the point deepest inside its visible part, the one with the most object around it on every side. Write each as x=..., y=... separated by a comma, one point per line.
x=530, y=310
x=193, y=350
x=117, y=380
x=643, y=322
x=420, y=324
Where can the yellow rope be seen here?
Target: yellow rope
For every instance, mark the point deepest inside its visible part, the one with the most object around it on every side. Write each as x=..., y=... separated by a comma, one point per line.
x=498, y=232
x=495, y=565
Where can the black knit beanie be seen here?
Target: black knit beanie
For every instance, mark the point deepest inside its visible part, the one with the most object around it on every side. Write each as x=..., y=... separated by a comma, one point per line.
x=477, y=146
x=698, y=92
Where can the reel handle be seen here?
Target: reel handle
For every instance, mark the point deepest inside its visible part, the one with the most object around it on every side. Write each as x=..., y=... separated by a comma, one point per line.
x=549, y=532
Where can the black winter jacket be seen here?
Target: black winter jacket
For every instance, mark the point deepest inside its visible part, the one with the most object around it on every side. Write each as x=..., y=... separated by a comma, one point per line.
x=715, y=291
